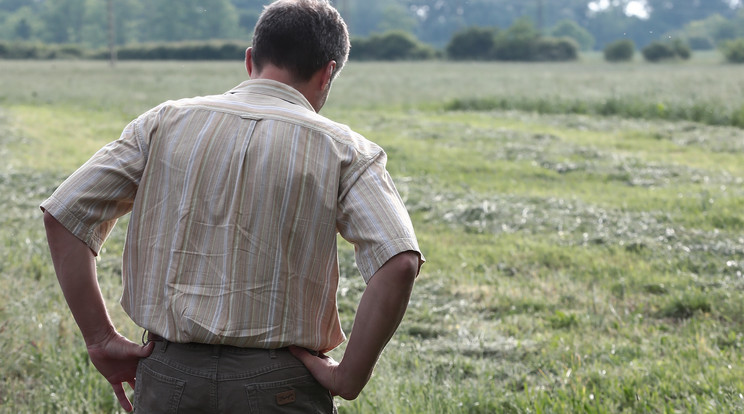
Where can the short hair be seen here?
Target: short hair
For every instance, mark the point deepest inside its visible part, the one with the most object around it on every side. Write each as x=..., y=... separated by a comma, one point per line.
x=300, y=36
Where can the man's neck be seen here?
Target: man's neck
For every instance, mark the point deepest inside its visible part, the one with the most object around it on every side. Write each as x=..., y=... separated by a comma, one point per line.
x=275, y=73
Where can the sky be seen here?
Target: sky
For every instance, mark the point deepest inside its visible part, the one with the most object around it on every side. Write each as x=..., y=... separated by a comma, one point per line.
x=633, y=8
x=637, y=8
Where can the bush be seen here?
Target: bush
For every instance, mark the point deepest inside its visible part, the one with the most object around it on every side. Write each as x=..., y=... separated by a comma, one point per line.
x=619, y=51
x=474, y=43
x=658, y=51
x=538, y=49
x=66, y=51
x=517, y=43
x=213, y=50
x=514, y=49
x=181, y=51
x=393, y=45
x=555, y=50
x=521, y=42
x=682, y=49
x=25, y=50
x=733, y=50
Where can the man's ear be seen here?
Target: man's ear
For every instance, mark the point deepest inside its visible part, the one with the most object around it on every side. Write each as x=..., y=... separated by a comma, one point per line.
x=249, y=61
x=327, y=74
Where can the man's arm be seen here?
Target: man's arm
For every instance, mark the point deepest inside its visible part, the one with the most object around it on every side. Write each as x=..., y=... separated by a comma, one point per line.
x=114, y=356
x=380, y=311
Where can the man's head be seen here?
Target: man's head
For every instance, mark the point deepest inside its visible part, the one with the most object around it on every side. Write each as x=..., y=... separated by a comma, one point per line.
x=301, y=37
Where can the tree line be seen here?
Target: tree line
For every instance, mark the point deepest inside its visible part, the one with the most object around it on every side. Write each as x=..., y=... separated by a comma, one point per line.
x=431, y=21
x=592, y=24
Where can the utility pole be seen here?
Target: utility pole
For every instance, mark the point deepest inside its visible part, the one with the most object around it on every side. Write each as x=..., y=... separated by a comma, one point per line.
x=111, y=34
x=540, y=23
x=344, y=10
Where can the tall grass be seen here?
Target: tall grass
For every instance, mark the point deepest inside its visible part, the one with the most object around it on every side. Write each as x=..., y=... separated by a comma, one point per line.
x=647, y=107
x=577, y=262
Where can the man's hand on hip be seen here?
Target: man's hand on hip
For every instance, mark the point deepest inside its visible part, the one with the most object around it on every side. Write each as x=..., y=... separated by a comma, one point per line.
x=323, y=368
x=116, y=358
x=380, y=310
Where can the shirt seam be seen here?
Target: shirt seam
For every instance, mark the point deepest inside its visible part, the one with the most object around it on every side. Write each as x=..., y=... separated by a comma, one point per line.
x=86, y=234
x=392, y=247
x=332, y=129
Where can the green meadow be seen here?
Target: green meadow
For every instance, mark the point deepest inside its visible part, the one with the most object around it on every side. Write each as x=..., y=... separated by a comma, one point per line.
x=583, y=224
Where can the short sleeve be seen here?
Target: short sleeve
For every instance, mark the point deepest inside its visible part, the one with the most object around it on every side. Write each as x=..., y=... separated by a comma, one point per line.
x=89, y=202
x=374, y=219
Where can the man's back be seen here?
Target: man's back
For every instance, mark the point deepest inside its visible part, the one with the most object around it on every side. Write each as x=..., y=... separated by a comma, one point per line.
x=233, y=232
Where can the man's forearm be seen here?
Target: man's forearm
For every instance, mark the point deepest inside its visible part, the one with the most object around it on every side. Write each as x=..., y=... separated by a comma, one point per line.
x=75, y=266
x=380, y=311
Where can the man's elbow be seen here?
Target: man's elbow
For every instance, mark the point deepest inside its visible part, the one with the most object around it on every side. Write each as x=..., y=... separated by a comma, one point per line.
x=413, y=264
x=350, y=395
x=407, y=266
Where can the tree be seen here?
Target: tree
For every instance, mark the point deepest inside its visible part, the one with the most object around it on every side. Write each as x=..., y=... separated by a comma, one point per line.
x=165, y=20
x=518, y=42
x=14, y=5
x=711, y=31
x=726, y=30
x=568, y=28
x=701, y=34
x=395, y=18
x=367, y=17
x=63, y=20
x=23, y=29
x=248, y=12
x=22, y=24
x=666, y=15
x=432, y=21
x=94, y=32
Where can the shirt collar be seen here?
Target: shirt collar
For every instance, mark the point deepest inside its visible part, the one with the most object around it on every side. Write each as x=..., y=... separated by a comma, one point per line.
x=274, y=89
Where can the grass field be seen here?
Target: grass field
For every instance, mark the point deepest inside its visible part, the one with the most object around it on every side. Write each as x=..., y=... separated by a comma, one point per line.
x=578, y=261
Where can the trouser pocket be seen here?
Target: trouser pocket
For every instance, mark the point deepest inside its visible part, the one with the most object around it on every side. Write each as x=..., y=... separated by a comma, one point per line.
x=302, y=394
x=155, y=392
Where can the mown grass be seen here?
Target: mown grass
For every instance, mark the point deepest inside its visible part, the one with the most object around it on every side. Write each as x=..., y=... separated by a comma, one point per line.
x=577, y=262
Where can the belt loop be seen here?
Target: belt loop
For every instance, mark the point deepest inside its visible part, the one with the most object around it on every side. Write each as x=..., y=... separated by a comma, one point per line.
x=148, y=337
x=272, y=353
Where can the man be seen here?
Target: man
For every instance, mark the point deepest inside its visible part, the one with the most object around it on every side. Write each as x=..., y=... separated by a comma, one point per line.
x=230, y=261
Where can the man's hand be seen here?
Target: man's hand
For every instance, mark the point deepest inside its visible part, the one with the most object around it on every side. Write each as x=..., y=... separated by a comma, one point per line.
x=116, y=359
x=324, y=369
x=381, y=309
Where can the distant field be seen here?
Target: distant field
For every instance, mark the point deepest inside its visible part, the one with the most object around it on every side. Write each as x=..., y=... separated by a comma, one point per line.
x=578, y=260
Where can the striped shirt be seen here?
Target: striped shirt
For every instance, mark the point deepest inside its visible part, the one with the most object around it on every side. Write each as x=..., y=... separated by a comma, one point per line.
x=236, y=201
